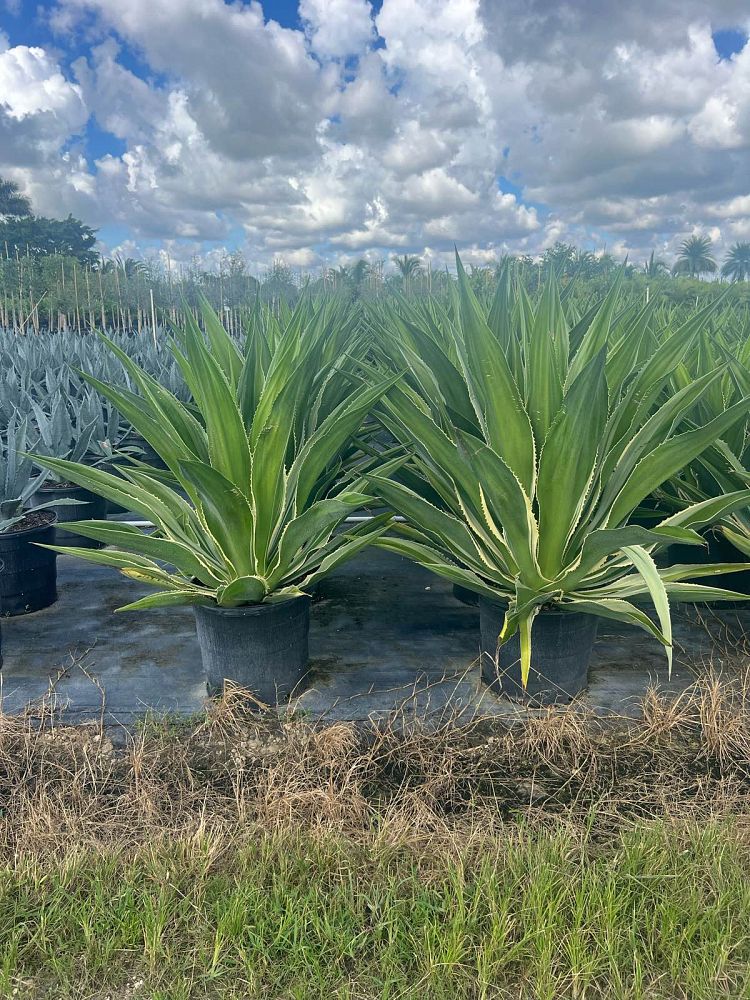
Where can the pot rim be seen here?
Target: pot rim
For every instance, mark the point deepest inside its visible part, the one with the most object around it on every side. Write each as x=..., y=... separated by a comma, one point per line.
x=67, y=487
x=248, y=610
x=37, y=527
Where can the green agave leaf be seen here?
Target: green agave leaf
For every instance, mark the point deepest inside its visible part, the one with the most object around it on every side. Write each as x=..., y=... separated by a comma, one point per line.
x=223, y=348
x=175, y=418
x=646, y=566
x=621, y=461
x=178, y=518
x=153, y=426
x=596, y=336
x=252, y=378
x=703, y=595
x=438, y=453
x=580, y=325
x=667, y=459
x=615, y=609
x=349, y=545
x=741, y=542
x=268, y=481
x=568, y=461
x=113, y=488
x=647, y=383
x=288, y=364
x=520, y=619
x=623, y=359
x=492, y=548
x=501, y=410
x=285, y=594
x=166, y=599
x=598, y=545
x=437, y=376
x=120, y=560
x=228, y=445
x=508, y=504
x=244, y=590
x=544, y=384
x=306, y=532
x=444, y=528
x=227, y=516
x=328, y=439
x=499, y=318
x=190, y=562
x=434, y=560
x=686, y=571
x=709, y=511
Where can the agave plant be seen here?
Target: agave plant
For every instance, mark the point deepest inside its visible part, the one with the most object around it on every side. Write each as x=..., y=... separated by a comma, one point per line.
x=724, y=466
x=108, y=430
x=533, y=442
x=16, y=475
x=258, y=456
x=64, y=431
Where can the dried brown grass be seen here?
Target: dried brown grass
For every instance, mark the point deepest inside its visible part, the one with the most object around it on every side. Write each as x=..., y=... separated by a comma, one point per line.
x=238, y=769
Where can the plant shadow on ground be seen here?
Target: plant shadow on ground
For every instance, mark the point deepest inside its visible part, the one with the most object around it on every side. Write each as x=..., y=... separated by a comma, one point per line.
x=240, y=853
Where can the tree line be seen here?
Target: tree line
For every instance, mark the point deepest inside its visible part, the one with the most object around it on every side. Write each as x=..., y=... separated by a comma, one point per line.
x=51, y=276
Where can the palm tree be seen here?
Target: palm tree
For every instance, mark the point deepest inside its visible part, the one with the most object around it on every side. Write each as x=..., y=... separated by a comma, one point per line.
x=606, y=263
x=127, y=266
x=695, y=257
x=339, y=276
x=409, y=267
x=583, y=263
x=352, y=277
x=360, y=271
x=655, y=268
x=737, y=263
x=130, y=267
x=12, y=202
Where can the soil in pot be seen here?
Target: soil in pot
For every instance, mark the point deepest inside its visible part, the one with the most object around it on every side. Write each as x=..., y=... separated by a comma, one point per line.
x=28, y=574
x=261, y=647
x=91, y=508
x=561, y=647
x=719, y=550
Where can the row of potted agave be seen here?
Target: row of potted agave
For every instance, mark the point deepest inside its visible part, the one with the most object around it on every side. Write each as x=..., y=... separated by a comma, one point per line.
x=526, y=496
x=35, y=503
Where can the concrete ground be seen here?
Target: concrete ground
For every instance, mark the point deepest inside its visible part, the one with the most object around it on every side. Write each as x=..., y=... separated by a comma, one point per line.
x=386, y=636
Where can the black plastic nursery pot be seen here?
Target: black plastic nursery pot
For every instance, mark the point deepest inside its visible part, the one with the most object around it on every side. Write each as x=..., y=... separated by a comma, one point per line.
x=465, y=596
x=260, y=647
x=28, y=574
x=561, y=647
x=145, y=452
x=90, y=508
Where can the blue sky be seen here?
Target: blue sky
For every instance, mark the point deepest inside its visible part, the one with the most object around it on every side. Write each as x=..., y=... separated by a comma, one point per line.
x=328, y=129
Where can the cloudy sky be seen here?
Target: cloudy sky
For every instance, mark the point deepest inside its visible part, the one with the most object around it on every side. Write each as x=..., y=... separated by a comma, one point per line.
x=329, y=129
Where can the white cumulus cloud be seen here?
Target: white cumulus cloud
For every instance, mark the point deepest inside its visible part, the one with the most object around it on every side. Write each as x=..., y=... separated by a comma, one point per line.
x=496, y=124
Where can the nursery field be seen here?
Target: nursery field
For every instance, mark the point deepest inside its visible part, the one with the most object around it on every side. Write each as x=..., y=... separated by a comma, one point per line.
x=559, y=459
x=379, y=647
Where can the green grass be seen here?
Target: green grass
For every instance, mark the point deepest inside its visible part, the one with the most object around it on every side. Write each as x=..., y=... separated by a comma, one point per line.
x=662, y=911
